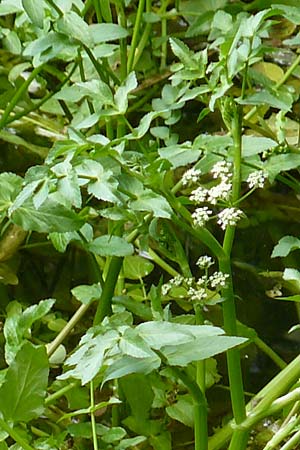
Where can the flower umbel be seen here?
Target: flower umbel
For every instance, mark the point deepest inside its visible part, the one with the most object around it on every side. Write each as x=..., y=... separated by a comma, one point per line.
x=201, y=216
x=229, y=216
x=191, y=176
x=257, y=179
x=218, y=280
x=204, y=262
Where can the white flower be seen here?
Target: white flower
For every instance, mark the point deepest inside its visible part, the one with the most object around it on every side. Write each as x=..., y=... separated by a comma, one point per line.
x=221, y=191
x=221, y=169
x=229, y=216
x=257, y=179
x=165, y=289
x=199, y=195
x=204, y=262
x=201, y=216
x=201, y=281
x=191, y=175
x=177, y=281
x=218, y=279
x=197, y=294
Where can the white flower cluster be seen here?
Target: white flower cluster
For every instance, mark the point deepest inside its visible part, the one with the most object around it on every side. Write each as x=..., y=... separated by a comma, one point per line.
x=218, y=280
x=200, y=289
x=257, y=179
x=201, y=216
x=229, y=216
x=221, y=170
x=204, y=262
x=191, y=176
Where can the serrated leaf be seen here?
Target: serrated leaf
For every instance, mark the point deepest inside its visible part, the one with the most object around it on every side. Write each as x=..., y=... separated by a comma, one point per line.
x=35, y=11
x=88, y=359
x=18, y=323
x=286, y=245
x=23, y=391
x=50, y=217
x=183, y=53
x=253, y=145
x=279, y=163
x=107, y=245
x=10, y=186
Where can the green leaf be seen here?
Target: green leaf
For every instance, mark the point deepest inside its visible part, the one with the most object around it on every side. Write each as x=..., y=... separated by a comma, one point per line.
x=291, y=274
x=50, y=46
x=279, y=163
x=278, y=100
x=121, y=95
x=286, y=245
x=35, y=11
x=252, y=145
x=104, y=32
x=199, y=349
x=183, y=53
x=180, y=155
x=182, y=410
x=18, y=324
x=10, y=185
x=132, y=386
x=71, y=24
x=86, y=293
x=150, y=201
x=291, y=298
x=50, y=217
x=135, y=267
x=23, y=391
x=88, y=359
x=159, y=334
x=127, y=365
x=107, y=245
x=132, y=344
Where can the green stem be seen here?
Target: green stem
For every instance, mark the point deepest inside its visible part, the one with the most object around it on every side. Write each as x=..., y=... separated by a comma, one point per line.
x=43, y=100
x=292, y=442
x=200, y=409
x=93, y=421
x=123, y=42
x=134, y=40
x=104, y=305
x=200, y=365
x=58, y=394
x=13, y=433
x=262, y=401
x=97, y=8
x=162, y=263
x=105, y=10
x=145, y=37
x=18, y=96
x=67, y=329
x=270, y=353
x=240, y=437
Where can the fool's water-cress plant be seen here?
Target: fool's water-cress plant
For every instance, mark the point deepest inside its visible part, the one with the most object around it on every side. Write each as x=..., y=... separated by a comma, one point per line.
x=121, y=185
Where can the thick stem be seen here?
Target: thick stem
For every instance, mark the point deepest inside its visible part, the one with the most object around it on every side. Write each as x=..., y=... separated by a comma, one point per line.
x=200, y=409
x=240, y=437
